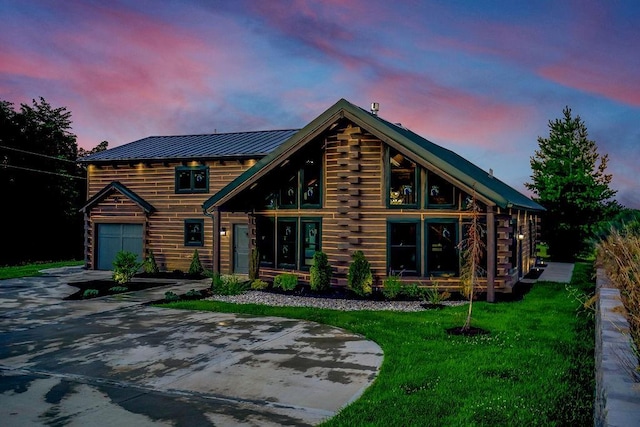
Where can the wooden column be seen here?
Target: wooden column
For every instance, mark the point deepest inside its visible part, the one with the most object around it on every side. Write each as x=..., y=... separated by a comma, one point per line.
x=216, y=240
x=491, y=255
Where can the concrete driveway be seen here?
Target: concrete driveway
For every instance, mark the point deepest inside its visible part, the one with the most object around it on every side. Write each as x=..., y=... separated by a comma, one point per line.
x=114, y=361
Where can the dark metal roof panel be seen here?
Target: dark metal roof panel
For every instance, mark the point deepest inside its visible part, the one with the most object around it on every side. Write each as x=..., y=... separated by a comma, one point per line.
x=210, y=146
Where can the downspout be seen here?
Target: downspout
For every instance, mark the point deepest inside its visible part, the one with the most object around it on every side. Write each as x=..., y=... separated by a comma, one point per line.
x=491, y=254
x=215, y=216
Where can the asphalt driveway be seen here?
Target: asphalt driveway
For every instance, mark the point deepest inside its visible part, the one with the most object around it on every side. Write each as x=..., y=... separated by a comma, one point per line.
x=114, y=361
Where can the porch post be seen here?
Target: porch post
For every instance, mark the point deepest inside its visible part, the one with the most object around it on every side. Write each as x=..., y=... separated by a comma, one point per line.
x=216, y=240
x=491, y=254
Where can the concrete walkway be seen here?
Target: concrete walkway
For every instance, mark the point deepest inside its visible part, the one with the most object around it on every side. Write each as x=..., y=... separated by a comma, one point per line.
x=560, y=272
x=113, y=361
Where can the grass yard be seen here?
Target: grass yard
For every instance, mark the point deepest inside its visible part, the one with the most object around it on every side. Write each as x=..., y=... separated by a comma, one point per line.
x=536, y=367
x=30, y=270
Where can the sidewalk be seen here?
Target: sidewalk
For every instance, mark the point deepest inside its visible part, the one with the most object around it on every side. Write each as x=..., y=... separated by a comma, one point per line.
x=560, y=272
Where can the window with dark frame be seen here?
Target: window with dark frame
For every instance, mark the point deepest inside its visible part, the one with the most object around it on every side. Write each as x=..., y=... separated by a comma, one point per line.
x=287, y=243
x=192, y=179
x=442, y=253
x=403, y=180
x=311, y=234
x=265, y=230
x=440, y=192
x=289, y=193
x=193, y=232
x=310, y=178
x=404, y=247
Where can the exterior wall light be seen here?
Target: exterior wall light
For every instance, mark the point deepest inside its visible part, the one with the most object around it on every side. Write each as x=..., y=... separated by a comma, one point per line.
x=520, y=236
x=223, y=231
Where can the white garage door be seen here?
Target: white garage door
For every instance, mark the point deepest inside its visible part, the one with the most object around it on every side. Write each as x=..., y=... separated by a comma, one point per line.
x=113, y=238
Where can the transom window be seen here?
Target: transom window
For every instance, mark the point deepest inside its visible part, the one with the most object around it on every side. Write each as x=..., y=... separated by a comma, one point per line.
x=192, y=179
x=193, y=232
x=403, y=180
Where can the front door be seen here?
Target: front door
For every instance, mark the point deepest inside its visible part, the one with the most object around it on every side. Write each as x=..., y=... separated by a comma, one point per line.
x=240, y=249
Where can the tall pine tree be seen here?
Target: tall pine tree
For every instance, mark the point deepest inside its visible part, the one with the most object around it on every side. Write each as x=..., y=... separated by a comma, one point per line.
x=569, y=180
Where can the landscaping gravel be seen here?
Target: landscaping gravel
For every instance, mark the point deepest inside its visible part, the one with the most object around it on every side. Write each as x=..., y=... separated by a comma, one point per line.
x=282, y=300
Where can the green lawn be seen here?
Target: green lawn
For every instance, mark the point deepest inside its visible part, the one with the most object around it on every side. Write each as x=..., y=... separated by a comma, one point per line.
x=28, y=270
x=536, y=367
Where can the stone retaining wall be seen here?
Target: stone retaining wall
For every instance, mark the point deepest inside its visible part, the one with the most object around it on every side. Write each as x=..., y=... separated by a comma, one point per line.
x=617, y=387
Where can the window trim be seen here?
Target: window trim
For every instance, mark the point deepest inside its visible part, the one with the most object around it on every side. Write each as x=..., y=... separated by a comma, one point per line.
x=191, y=221
x=418, y=244
x=191, y=189
x=387, y=176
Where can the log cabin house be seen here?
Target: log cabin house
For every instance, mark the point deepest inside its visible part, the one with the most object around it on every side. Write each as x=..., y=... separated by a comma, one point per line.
x=347, y=181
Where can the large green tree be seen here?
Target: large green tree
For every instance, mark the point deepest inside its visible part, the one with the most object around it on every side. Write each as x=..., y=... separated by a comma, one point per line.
x=41, y=184
x=569, y=179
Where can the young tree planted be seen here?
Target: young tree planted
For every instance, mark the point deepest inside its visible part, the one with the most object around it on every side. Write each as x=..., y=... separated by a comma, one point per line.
x=569, y=179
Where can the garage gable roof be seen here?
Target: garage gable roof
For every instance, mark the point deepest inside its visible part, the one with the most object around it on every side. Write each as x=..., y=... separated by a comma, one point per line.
x=425, y=152
x=122, y=189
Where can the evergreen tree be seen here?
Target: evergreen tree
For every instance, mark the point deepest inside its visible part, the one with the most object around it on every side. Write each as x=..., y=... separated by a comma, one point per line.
x=569, y=180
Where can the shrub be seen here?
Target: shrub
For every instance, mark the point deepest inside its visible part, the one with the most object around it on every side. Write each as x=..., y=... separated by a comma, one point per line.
x=259, y=284
x=193, y=293
x=90, y=293
x=359, y=278
x=392, y=287
x=125, y=266
x=150, y=265
x=118, y=289
x=254, y=264
x=434, y=296
x=196, y=266
x=170, y=296
x=285, y=281
x=413, y=291
x=228, y=285
x=320, y=273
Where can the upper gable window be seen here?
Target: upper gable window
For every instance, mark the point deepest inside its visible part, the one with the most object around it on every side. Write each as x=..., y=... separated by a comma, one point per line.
x=403, y=180
x=439, y=191
x=193, y=179
x=310, y=179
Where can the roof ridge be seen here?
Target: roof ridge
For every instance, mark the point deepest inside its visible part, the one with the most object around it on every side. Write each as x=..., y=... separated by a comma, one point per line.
x=219, y=133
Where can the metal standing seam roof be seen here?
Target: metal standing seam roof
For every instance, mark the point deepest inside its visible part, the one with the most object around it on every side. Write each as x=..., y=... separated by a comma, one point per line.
x=449, y=162
x=209, y=146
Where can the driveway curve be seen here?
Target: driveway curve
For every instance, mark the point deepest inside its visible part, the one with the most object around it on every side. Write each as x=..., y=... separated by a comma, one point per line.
x=114, y=361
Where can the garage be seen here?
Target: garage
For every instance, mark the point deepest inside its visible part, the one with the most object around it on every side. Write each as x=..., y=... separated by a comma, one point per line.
x=113, y=238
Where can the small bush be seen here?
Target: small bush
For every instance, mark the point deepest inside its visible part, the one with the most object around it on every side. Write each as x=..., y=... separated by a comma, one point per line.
x=285, y=281
x=118, y=289
x=254, y=264
x=359, y=278
x=90, y=293
x=434, y=296
x=150, y=265
x=170, y=296
x=195, y=268
x=320, y=273
x=193, y=293
x=228, y=285
x=413, y=291
x=259, y=285
x=125, y=266
x=392, y=287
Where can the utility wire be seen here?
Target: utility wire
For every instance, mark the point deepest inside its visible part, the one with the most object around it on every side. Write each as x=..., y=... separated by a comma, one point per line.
x=41, y=171
x=38, y=154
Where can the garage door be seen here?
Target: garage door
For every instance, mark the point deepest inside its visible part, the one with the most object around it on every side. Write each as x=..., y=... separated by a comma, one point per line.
x=113, y=238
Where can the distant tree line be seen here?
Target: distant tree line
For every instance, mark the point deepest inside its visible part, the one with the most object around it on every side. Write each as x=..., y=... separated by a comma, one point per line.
x=42, y=187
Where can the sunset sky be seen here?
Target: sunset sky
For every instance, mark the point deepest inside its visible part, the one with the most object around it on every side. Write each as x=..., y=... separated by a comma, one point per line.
x=482, y=78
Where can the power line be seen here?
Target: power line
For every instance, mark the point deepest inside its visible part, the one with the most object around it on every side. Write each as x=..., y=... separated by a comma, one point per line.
x=38, y=154
x=41, y=171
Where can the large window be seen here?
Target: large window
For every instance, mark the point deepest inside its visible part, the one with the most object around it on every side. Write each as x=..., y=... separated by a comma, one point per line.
x=439, y=191
x=192, y=179
x=403, y=180
x=287, y=243
x=265, y=230
x=442, y=252
x=193, y=232
x=404, y=248
x=311, y=234
x=289, y=192
x=310, y=179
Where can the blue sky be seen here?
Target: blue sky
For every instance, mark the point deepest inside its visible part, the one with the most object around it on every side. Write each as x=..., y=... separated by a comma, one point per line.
x=481, y=78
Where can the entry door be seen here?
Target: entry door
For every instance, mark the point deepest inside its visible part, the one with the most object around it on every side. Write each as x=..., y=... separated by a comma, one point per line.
x=113, y=238
x=240, y=248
